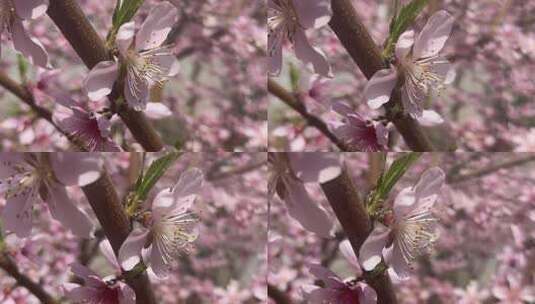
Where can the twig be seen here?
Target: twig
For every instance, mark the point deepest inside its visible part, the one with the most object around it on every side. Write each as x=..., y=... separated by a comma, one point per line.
x=116, y=225
x=351, y=213
x=354, y=36
x=489, y=170
x=293, y=102
x=71, y=20
x=26, y=97
x=7, y=264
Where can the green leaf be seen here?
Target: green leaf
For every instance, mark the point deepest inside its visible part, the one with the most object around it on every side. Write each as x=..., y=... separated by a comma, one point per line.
x=388, y=180
x=146, y=181
x=124, y=11
x=294, y=77
x=401, y=22
x=22, y=65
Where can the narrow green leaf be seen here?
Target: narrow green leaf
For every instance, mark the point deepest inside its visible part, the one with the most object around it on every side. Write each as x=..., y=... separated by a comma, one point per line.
x=156, y=170
x=124, y=11
x=294, y=78
x=401, y=22
x=389, y=179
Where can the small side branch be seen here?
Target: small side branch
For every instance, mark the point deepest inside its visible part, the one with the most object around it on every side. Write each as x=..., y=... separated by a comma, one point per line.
x=293, y=102
x=9, y=266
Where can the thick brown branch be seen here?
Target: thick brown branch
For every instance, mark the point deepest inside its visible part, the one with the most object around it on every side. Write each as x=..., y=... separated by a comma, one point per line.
x=71, y=20
x=354, y=36
x=116, y=225
x=293, y=102
x=9, y=266
x=351, y=213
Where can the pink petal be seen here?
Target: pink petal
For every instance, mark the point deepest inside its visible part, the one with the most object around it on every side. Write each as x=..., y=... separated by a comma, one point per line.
x=342, y=108
x=99, y=82
x=156, y=110
x=434, y=35
x=378, y=90
x=394, y=258
x=76, y=168
x=322, y=296
x=156, y=27
x=349, y=254
x=17, y=214
x=404, y=202
x=137, y=100
x=157, y=263
x=328, y=277
x=7, y=160
x=189, y=183
x=29, y=47
x=30, y=9
x=404, y=44
x=107, y=252
x=129, y=254
x=430, y=118
x=371, y=251
x=168, y=64
x=309, y=55
x=307, y=212
x=275, y=51
x=125, y=37
x=367, y=294
x=313, y=14
x=180, y=199
x=127, y=295
x=81, y=271
x=429, y=187
x=315, y=167
x=62, y=209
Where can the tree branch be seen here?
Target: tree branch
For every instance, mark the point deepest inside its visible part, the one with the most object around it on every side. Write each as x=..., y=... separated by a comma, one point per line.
x=116, y=225
x=8, y=265
x=72, y=22
x=26, y=97
x=354, y=36
x=293, y=102
x=453, y=179
x=352, y=215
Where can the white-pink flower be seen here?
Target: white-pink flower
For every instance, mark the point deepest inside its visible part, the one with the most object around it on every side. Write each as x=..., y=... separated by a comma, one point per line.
x=288, y=20
x=514, y=292
x=168, y=230
x=422, y=69
x=412, y=230
x=337, y=291
x=24, y=177
x=97, y=290
x=359, y=133
x=88, y=129
x=291, y=171
x=12, y=14
x=146, y=60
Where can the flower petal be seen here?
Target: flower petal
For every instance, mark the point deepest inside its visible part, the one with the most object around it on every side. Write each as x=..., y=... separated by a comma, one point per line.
x=395, y=259
x=328, y=277
x=348, y=252
x=107, y=252
x=127, y=295
x=430, y=118
x=137, y=93
x=309, y=55
x=429, y=186
x=17, y=214
x=308, y=213
x=313, y=14
x=76, y=168
x=156, y=27
x=62, y=209
x=275, y=42
x=157, y=262
x=156, y=110
x=315, y=167
x=371, y=251
x=367, y=294
x=31, y=9
x=168, y=64
x=99, y=82
x=125, y=36
x=404, y=202
x=29, y=47
x=378, y=90
x=434, y=35
x=404, y=44
x=130, y=252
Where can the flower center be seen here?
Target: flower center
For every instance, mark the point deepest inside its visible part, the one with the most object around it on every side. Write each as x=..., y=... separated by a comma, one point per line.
x=283, y=22
x=144, y=67
x=415, y=233
x=173, y=234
